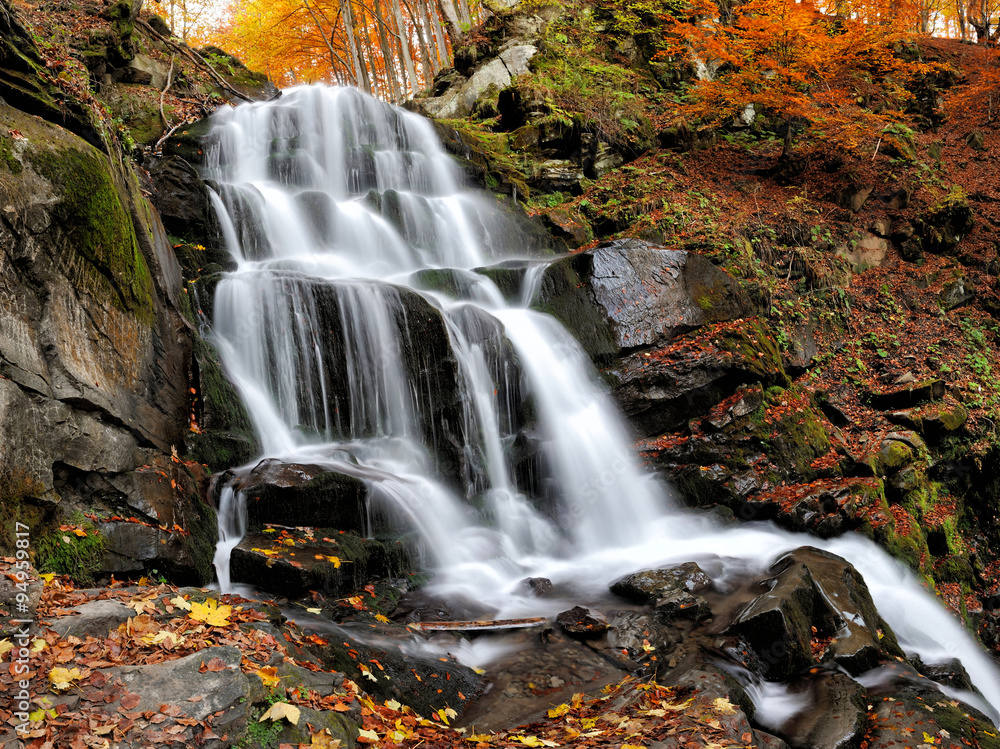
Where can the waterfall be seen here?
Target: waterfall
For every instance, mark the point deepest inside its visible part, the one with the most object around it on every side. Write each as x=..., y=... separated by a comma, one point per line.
x=356, y=324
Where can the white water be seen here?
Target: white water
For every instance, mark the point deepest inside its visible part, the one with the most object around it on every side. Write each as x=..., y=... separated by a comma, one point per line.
x=330, y=201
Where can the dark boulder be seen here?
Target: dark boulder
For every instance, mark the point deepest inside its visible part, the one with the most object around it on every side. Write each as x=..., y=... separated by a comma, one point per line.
x=814, y=595
x=306, y=495
x=581, y=621
x=628, y=294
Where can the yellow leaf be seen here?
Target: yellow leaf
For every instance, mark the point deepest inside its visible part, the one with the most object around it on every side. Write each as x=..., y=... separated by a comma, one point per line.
x=289, y=542
x=324, y=740
x=268, y=675
x=143, y=581
x=270, y=530
x=5, y=647
x=211, y=613
x=335, y=561
x=559, y=711
x=38, y=645
x=368, y=674
x=392, y=704
x=140, y=605
x=315, y=611
x=80, y=532
x=479, y=738
x=534, y=741
x=165, y=638
x=381, y=618
x=928, y=739
x=370, y=735
x=61, y=678
x=280, y=710
x=724, y=706
x=48, y=577
x=181, y=603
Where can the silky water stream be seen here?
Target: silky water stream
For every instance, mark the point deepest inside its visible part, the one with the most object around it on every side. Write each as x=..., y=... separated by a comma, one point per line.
x=341, y=213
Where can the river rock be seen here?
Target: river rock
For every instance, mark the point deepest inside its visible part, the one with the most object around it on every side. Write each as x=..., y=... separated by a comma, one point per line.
x=425, y=684
x=94, y=619
x=814, y=594
x=671, y=591
x=291, y=570
x=648, y=586
x=582, y=621
x=295, y=494
x=837, y=715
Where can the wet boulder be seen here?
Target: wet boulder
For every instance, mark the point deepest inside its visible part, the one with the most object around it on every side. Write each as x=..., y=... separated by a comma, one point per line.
x=581, y=621
x=424, y=683
x=326, y=560
x=628, y=294
x=817, y=609
x=296, y=494
x=671, y=590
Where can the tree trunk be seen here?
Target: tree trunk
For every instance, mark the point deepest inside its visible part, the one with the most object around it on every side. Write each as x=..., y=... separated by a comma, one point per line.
x=347, y=17
x=433, y=42
x=786, y=147
x=388, y=58
x=413, y=84
x=369, y=63
x=447, y=9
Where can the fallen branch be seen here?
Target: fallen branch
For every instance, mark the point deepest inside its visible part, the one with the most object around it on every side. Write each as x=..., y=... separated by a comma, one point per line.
x=163, y=93
x=197, y=59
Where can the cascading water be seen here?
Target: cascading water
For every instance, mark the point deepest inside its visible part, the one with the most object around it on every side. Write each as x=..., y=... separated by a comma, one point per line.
x=341, y=211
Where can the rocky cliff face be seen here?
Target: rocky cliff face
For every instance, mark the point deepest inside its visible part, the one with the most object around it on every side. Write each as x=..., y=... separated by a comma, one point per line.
x=101, y=365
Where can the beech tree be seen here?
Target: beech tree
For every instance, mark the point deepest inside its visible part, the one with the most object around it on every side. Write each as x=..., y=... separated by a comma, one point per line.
x=836, y=74
x=389, y=48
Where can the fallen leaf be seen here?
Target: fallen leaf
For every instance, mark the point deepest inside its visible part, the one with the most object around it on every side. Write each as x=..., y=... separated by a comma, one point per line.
x=280, y=710
x=268, y=675
x=62, y=678
x=211, y=613
x=181, y=603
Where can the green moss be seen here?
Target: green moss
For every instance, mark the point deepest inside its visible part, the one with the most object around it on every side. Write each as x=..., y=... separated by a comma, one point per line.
x=7, y=157
x=227, y=435
x=101, y=248
x=65, y=553
x=16, y=486
x=757, y=350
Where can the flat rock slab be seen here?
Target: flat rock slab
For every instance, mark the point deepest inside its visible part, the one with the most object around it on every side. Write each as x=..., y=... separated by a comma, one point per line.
x=94, y=618
x=174, y=683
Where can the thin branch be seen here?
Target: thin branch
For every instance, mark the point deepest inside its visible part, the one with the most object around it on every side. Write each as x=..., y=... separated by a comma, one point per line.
x=163, y=93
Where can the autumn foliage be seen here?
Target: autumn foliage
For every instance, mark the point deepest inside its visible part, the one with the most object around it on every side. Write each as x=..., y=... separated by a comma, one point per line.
x=832, y=75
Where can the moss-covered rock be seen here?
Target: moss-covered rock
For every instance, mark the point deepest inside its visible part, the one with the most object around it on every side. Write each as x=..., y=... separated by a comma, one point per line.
x=101, y=240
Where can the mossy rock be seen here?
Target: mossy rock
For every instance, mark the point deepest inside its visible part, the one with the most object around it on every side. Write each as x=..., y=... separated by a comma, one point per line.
x=101, y=246
x=943, y=224
x=227, y=436
x=189, y=142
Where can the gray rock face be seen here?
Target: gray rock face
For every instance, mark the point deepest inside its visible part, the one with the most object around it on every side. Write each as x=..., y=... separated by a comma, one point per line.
x=174, y=682
x=94, y=618
x=627, y=294
x=95, y=353
x=458, y=100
